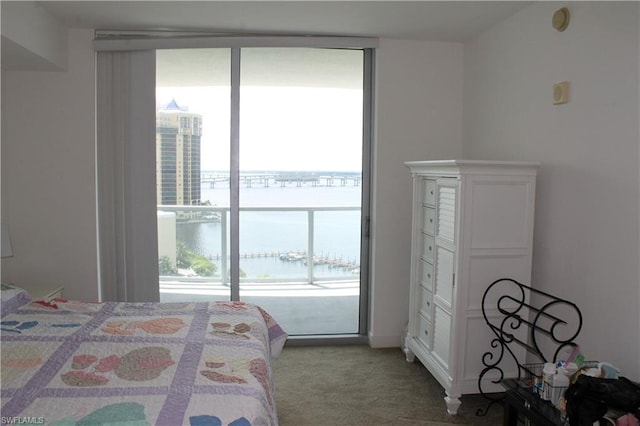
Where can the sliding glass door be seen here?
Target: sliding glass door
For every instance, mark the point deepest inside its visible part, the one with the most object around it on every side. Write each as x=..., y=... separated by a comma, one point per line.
x=282, y=140
x=300, y=199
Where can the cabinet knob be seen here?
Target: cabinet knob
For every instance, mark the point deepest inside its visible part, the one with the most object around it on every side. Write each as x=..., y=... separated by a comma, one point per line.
x=430, y=220
x=426, y=332
x=429, y=276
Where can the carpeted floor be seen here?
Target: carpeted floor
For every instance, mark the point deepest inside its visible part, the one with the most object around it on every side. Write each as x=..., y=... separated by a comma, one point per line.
x=357, y=385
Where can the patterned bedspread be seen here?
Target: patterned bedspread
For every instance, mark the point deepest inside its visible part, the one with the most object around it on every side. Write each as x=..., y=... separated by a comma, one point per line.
x=71, y=363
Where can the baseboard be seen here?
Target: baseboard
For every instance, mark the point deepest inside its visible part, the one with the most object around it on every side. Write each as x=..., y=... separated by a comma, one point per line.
x=331, y=339
x=385, y=341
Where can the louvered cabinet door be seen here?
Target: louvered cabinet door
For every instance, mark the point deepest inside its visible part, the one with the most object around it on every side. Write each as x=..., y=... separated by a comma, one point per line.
x=444, y=264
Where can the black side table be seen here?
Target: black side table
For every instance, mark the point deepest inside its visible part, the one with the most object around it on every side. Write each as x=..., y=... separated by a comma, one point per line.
x=520, y=400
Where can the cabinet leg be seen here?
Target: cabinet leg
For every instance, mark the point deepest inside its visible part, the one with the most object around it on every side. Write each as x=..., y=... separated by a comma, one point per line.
x=453, y=404
x=408, y=354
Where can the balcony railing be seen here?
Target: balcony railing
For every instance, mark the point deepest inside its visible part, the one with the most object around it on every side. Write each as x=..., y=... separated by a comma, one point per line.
x=186, y=214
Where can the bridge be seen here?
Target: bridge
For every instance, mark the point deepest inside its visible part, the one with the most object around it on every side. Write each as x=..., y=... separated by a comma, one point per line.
x=266, y=179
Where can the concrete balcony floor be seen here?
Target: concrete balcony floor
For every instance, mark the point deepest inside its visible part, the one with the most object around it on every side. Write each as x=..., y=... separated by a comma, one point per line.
x=301, y=309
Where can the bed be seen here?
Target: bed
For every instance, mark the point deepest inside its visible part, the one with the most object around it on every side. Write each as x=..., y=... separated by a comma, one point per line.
x=202, y=364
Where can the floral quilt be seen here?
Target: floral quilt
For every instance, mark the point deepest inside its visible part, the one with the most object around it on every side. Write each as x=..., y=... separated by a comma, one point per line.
x=71, y=363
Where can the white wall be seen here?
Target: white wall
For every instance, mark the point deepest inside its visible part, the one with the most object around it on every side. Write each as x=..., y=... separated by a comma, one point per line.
x=48, y=173
x=31, y=38
x=587, y=212
x=418, y=117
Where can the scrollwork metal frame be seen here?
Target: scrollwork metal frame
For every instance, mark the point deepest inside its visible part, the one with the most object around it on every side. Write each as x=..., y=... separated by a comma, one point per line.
x=517, y=322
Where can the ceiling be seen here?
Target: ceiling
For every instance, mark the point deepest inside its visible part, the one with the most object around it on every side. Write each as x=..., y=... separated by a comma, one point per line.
x=418, y=20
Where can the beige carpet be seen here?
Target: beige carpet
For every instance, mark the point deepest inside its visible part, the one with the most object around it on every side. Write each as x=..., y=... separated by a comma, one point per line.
x=357, y=385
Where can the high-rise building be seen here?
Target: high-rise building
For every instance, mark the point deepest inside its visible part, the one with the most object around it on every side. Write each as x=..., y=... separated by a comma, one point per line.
x=178, y=134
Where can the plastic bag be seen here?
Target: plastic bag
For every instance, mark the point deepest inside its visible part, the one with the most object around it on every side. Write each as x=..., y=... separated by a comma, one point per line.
x=589, y=398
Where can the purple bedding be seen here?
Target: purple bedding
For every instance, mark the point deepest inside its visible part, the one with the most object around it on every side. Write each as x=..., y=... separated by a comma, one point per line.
x=71, y=363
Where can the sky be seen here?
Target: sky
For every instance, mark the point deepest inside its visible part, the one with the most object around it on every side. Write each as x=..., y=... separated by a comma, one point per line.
x=281, y=128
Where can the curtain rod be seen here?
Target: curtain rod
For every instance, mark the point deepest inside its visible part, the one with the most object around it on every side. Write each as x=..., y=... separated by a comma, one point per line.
x=144, y=40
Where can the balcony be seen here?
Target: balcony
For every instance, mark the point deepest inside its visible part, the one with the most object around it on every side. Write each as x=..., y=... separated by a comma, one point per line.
x=306, y=297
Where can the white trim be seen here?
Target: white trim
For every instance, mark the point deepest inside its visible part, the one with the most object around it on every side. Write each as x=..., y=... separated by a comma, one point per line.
x=234, y=41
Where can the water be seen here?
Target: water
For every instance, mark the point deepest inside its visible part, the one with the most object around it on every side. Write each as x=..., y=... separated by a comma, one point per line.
x=266, y=234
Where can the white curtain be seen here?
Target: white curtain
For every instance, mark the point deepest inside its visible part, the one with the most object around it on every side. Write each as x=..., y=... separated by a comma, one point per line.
x=126, y=171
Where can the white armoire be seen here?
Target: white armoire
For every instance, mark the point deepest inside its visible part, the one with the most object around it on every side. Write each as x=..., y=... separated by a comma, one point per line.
x=472, y=224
